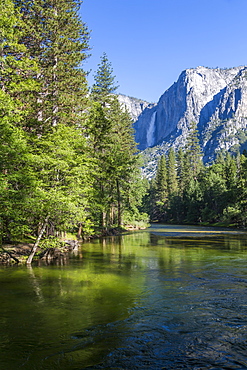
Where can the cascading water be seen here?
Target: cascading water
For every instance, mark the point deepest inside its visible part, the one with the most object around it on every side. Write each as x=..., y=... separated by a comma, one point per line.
x=150, y=131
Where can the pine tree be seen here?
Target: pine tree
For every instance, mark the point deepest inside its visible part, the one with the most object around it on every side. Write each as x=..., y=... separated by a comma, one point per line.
x=16, y=179
x=161, y=189
x=214, y=190
x=242, y=193
x=104, y=84
x=99, y=128
x=100, y=136
x=149, y=200
x=172, y=173
x=230, y=172
x=114, y=152
x=56, y=165
x=181, y=171
x=17, y=70
x=58, y=40
x=116, y=163
x=125, y=162
x=192, y=154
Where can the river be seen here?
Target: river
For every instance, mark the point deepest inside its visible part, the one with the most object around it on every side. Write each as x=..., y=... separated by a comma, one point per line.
x=169, y=297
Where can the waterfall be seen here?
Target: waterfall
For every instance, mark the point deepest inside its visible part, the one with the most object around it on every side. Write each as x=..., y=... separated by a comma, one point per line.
x=150, y=131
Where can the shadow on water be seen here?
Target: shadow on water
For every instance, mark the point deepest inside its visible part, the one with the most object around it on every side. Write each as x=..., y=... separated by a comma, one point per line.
x=165, y=298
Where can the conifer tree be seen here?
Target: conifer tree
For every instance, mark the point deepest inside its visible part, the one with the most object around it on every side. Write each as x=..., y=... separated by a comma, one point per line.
x=104, y=84
x=125, y=162
x=115, y=154
x=172, y=173
x=99, y=128
x=161, y=179
x=242, y=193
x=214, y=191
x=56, y=163
x=100, y=136
x=17, y=70
x=58, y=40
x=192, y=154
x=230, y=171
x=17, y=182
x=181, y=171
x=161, y=188
x=149, y=200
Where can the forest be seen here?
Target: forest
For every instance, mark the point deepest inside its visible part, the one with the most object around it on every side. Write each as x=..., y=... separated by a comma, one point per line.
x=69, y=162
x=68, y=158
x=185, y=191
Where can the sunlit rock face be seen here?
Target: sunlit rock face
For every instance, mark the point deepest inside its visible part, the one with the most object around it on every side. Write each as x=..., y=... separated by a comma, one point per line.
x=216, y=99
x=133, y=105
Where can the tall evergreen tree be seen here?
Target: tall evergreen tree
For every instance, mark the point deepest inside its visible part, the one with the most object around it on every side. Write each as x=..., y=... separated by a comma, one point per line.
x=125, y=162
x=114, y=150
x=54, y=190
x=58, y=40
x=17, y=70
x=161, y=189
x=214, y=190
x=99, y=128
x=172, y=181
x=242, y=193
x=181, y=174
x=16, y=180
x=104, y=84
x=193, y=155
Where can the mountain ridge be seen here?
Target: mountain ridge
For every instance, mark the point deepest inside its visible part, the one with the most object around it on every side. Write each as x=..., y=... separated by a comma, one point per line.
x=214, y=98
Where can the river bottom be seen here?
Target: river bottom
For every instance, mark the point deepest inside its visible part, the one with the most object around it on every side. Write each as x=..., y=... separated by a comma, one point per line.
x=148, y=300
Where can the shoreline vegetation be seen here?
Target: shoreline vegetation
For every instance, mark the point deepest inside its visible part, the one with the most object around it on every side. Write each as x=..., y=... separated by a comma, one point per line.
x=69, y=162
x=18, y=253
x=184, y=190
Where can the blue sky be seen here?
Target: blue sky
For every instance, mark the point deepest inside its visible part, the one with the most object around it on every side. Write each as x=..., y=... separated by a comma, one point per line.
x=150, y=42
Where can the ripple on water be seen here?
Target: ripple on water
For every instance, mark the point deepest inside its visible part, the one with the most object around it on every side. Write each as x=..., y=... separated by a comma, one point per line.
x=144, y=302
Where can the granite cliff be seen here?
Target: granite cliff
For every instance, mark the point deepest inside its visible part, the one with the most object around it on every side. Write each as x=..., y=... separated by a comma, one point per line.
x=134, y=106
x=216, y=99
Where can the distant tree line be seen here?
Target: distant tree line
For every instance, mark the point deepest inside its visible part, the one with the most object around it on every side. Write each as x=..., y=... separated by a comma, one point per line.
x=68, y=159
x=186, y=191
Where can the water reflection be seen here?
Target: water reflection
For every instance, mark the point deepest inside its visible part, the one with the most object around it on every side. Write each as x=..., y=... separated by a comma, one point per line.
x=158, y=299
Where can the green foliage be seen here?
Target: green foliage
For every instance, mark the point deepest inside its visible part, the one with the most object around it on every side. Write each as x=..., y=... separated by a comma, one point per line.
x=159, y=193
x=172, y=173
x=67, y=163
x=57, y=40
x=117, y=185
x=137, y=220
x=184, y=191
x=61, y=169
x=192, y=158
x=104, y=84
x=51, y=242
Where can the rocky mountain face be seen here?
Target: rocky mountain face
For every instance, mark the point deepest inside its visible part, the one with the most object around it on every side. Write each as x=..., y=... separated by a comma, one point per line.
x=134, y=106
x=216, y=99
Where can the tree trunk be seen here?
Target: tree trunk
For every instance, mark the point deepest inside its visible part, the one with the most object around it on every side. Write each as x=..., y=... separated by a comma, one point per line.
x=119, y=211
x=103, y=220
x=79, y=232
x=36, y=244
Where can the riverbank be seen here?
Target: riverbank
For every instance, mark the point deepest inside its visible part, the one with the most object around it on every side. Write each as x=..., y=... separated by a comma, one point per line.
x=18, y=253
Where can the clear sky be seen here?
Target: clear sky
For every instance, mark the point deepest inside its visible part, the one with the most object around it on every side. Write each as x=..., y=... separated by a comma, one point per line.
x=150, y=42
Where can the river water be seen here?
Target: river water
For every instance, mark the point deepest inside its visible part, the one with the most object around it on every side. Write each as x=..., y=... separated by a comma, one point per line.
x=169, y=297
